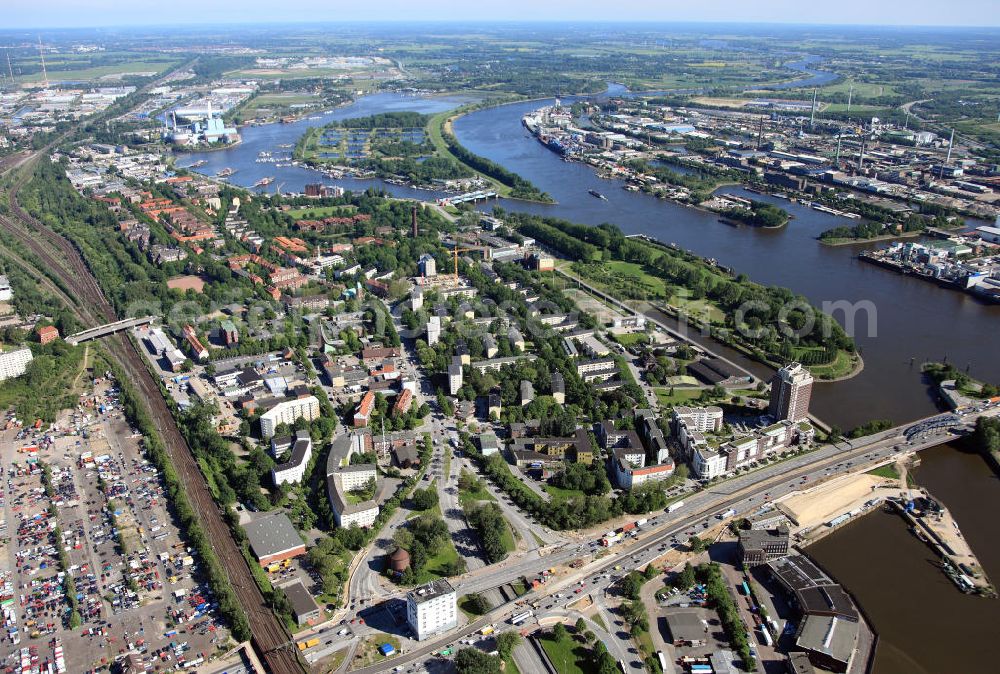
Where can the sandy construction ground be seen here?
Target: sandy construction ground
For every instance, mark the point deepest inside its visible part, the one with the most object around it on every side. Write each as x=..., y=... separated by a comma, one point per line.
x=831, y=499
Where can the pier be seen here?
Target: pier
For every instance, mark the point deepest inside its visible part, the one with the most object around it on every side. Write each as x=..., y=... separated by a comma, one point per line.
x=932, y=523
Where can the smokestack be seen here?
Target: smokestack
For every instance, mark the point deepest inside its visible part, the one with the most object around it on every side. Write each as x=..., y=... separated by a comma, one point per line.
x=812, y=114
x=414, y=221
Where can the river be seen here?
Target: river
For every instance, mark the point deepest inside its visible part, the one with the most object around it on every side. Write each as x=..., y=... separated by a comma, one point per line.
x=907, y=320
x=269, y=138
x=910, y=318
x=913, y=605
x=925, y=625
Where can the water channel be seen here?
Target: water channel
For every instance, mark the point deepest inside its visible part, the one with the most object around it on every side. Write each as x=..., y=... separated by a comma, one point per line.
x=915, y=608
x=925, y=625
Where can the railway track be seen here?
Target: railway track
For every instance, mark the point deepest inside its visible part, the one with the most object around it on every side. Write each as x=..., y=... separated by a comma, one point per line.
x=269, y=637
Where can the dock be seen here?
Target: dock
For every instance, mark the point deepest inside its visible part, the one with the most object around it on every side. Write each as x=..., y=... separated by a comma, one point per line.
x=932, y=523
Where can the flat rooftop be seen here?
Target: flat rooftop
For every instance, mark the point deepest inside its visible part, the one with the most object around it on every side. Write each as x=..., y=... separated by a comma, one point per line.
x=432, y=590
x=272, y=535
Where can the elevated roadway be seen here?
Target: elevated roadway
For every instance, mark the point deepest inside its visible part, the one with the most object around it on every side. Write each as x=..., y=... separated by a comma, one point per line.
x=108, y=329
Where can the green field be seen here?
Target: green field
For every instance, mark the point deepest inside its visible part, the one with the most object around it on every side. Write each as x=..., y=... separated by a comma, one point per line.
x=97, y=72
x=843, y=365
x=569, y=656
x=887, y=471
x=631, y=338
x=558, y=494
x=434, y=130
x=681, y=396
x=465, y=497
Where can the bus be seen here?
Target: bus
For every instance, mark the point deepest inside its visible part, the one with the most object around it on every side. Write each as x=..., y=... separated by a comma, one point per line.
x=521, y=617
x=623, y=666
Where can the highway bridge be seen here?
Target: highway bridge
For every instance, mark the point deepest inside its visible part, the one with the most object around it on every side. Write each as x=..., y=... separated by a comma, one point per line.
x=479, y=195
x=108, y=329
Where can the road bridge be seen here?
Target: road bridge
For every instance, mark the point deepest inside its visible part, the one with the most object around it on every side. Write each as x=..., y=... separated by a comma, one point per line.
x=478, y=195
x=108, y=329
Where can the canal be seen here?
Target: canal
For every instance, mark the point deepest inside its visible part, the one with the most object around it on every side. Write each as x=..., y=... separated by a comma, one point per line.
x=925, y=625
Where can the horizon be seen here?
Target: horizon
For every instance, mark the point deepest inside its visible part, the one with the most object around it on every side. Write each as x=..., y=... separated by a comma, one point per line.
x=105, y=14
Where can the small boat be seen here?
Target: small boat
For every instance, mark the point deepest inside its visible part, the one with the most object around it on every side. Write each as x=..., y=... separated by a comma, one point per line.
x=197, y=164
x=225, y=173
x=595, y=193
x=264, y=182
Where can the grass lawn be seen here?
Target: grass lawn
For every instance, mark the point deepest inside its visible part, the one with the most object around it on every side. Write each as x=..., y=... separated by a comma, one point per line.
x=368, y=653
x=888, y=471
x=468, y=496
x=600, y=621
x=622, y=268
x=841, y=366
x=680, y=396
x=508, y=537
x=700, y=309
x=463, y=606
x=559, y=494
x=441, y=559
x=333, y=662
x=631, y=338
x=569, y=656
x=434, y=134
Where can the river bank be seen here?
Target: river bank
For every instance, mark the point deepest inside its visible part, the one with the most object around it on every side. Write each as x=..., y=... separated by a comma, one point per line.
x=874, y=239
x=925, y=625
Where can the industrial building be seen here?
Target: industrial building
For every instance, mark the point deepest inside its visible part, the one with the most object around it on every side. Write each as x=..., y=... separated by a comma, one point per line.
x=304, y=607
x=759, y=546
x=273, y=539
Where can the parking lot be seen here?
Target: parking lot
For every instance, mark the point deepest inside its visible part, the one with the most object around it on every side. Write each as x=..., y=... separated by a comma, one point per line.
x=91, y=563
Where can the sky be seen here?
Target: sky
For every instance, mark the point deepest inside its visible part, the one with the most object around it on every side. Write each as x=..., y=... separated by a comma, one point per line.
x=216, y=13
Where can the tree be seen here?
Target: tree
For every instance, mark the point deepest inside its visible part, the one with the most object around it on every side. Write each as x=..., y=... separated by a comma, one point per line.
x=696, y=544
x=507, y=642
x=632, y=585
x=474, y=661
x=686, y=578
x=425, y=499
x=476, y=603
x=559, y=632
x=581, y=626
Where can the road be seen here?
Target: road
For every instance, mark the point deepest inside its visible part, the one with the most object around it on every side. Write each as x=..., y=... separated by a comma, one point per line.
x=666, y=530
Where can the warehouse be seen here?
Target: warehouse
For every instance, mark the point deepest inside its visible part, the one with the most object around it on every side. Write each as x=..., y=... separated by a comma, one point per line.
x=273, y=539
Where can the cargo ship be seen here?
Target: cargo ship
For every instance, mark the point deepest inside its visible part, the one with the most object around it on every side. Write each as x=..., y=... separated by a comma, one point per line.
x=595, y=193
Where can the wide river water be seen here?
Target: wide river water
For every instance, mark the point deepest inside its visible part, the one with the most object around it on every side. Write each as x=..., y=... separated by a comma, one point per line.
x=925, y=625
x=900, y=321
